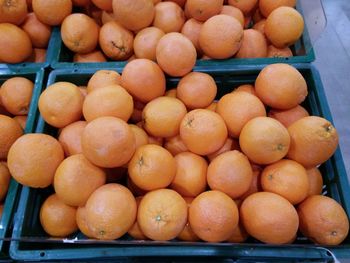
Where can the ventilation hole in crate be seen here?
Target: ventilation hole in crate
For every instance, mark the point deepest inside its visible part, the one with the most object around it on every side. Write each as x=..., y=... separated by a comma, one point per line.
x=75, y=70
x=42, y=254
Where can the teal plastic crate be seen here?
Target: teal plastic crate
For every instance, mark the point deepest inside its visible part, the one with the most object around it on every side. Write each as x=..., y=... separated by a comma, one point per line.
x=302, y=50
x=31, y=243
x=37, y=76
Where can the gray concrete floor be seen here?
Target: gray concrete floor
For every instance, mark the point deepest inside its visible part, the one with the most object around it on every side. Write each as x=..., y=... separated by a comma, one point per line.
x=332, y=50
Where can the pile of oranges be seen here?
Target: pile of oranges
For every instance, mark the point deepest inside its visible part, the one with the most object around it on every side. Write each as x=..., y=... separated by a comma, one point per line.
x=132, y=156
x=162, y=31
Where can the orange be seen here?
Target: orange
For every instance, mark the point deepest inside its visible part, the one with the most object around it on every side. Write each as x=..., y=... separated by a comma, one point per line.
x=221, y=44
x=93, y=56
x=57, y=218
x=246, y=88
x=38, y=56
x=191, y=30
x=191, y=174
x=162, y=214
x=13, y=11
x=135, y=230
x=253, y=45
x=212, y=106
x=116, y=41
x=230, y=144
x=187, y=233
x=315, y=181
x=15, y=44
x=269, y=218
x=234, y=12
x=5, y=178
x=239, y=235
x=197, y=90
x=176, y=55
x=260, y=26
x=110, y=211
x=76, y=179
x=246, y=6
x=169, y=17
x=175, y=145
x=213, y=216
x=103, y=147
x=22, y=121
x=155, y=140
x=230, y=173
x=79, y=33
x=38, y=32
x=107, y=17
x=70, y=137
x=81, y=222
x=255, y=186
x=203, y=131
x=284, y=26
x=162, y=116
x=52, y=12
x=286, y=178
x=323, y=220
x=281, y=86
x=16, y=95
x=34, y=158
x=288, y=117
x=264, y=140
x=147, y=172
x=143, y=79
x=145, y=42
x=112, y=101
x=171, y=93
x=237, y=109
x=103, y=4
x=103, y=78
x=202, y=10
x=61, y=104
x=273, y=52
x=134, y=14
x=313, y=141
x=10, y=131
x=267, y=6
x=141, y=137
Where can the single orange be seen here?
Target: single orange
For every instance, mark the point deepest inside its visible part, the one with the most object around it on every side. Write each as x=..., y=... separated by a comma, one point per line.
x=103, y=78
x=70, y=137
x=187, y=233
x=175, y=145
x=169, y=17
x=10, y=131
x=315, y=181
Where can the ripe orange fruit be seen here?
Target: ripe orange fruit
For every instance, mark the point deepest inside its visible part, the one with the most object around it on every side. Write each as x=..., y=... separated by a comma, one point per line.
x=286, y=178
x=110, y=211
x=284, y=26
x=176, y=55
x=171, y=93
x=162, y=116
x=13, y=11
x=179, y=2
x=237, y=109
x=5, y=178
x=217, y=43
x=81, y=222
x=112, y=101
x=22, y=121
x=239, y=235
x=229, y=145
x=38, y=32
x=313, y=141
x=147, y=172
x=267, y=6
x=191, y=174
x=260, y=26
x=143, y=79
x=315, y=181
x=273, y=52
x=145, y=42
x=212, y=106
x=57, y=218
x=141, y=137
x=107, y=17
x=38, y=56
x=187, y=233
x=203, y=131
x=264, y=140
x=202, y=10
x=191, y=30
x=16, y=95
x=34, y=158
x=197, y=90
x=104, y=4
x=116, y=41
x=253, y=45
x=269, y=218
x=135, y=231
x=162, y=214
x=70, y=137
x=245, y=88
x=10, y=131
x=255, y=186
x=230, y=173
x=93, y=56
x=79, y=33
x=169, y=17
x=103, y=78
x=102, y=146
x=175, y=145
x=76, y=179
x=245, y=6
x=323, y=220
x=288, y=117
x=155, y=140
x=234, y=12
x=15, y=44
x=281, y=86
x=52, y=12
x=61, y=104
x=134, y=14
x=213, y=216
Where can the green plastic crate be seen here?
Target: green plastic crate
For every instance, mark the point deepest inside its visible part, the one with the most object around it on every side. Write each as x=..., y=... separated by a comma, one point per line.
x=10, y=202
x=302, y=50
x=31, y=243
